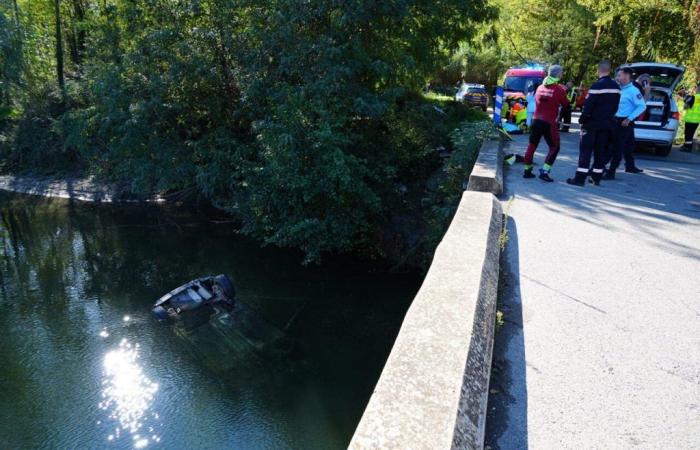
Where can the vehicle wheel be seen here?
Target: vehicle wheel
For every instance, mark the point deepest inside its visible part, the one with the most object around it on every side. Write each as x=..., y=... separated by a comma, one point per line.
x=664, y=150
x=226, y=285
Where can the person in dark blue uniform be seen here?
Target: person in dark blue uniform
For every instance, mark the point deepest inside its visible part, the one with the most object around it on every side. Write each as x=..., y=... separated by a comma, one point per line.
x=597, y=125
x=632, y=105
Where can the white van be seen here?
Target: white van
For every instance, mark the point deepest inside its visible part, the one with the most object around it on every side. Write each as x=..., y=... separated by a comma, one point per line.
x=659, y=124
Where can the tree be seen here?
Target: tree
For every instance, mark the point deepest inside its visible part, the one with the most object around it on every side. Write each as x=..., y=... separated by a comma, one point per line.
x=60, y=77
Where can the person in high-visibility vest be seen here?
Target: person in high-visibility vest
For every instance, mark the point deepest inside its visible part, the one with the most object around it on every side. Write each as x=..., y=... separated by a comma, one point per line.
x=518, y=112
x=505, y=109
x=691, y=118
x=565, y=113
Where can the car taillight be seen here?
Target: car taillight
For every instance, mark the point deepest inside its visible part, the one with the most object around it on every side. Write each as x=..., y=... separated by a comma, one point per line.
x=676, y=115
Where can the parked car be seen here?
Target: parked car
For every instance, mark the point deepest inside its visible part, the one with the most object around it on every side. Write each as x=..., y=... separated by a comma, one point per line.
x=658, y=126
x=473, y=95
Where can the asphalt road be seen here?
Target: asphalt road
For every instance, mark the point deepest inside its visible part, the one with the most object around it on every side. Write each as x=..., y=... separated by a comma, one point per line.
x=601, y=302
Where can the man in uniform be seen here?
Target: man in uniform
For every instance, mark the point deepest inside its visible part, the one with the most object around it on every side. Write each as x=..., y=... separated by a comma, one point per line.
x=549, y=97
x=597, y=122
x=631, y=106
x=691, y=118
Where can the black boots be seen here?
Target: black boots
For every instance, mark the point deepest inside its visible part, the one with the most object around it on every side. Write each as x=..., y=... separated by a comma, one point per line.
x=578, y=180
x=528, y=173
x=544, y=176
x=609, y=174
x=633, y=170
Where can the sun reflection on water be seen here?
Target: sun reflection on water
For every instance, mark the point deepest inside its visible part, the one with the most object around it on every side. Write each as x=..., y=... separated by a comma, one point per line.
x=127, y=394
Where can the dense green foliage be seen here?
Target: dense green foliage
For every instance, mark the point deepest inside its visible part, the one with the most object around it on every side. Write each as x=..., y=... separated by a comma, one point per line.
x=302, y=118
x=577, y=34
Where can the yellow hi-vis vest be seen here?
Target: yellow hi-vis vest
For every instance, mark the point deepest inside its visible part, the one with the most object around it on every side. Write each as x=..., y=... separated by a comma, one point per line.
x=692, y=115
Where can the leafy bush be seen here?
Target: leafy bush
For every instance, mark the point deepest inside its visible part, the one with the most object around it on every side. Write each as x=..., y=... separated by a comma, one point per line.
x=452, y=181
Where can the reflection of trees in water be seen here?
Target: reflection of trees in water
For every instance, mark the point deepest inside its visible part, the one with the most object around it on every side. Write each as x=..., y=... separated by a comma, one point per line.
x=54, y=253
x=67, y=270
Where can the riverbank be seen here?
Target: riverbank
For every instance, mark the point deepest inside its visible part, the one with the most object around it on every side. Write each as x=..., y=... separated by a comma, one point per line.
x=71, y=188
x=416, y=211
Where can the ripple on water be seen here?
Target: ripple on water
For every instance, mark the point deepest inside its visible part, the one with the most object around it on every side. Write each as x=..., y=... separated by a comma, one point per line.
x=127, y=396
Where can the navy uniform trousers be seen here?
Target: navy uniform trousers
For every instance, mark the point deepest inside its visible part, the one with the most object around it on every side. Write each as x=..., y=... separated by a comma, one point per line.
x=622, y=145
x=593, y=144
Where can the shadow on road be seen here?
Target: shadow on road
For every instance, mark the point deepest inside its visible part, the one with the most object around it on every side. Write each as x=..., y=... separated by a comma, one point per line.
x=506, y=423
x=667, y=193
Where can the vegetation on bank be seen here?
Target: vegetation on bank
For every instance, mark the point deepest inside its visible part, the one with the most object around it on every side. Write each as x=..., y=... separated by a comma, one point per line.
x=306, y=121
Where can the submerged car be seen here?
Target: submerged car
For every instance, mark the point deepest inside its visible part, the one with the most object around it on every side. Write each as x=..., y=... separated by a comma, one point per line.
x=220, y=328
x=214, y=291
x=658, y=126
x=473, y=95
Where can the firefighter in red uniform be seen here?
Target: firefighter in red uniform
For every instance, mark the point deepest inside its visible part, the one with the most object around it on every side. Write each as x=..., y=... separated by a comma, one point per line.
x=550, y=96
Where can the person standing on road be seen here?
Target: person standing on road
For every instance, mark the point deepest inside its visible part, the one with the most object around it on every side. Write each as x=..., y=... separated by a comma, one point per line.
x=531, y=102
x=691, y=117
x=597, y=122
x=632, y=105
x=566, y=112
x=549, y=97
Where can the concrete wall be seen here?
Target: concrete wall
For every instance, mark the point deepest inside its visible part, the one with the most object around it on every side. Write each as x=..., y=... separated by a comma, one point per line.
x=433, y=390
x=487, y=174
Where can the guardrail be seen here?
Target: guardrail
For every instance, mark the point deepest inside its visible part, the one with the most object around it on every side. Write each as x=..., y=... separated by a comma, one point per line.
x=487, y=174
x=433, y=391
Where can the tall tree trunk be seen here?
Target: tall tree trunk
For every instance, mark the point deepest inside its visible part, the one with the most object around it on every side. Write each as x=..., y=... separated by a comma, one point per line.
x=77, y=35
x=16, y=9
x=59, y=47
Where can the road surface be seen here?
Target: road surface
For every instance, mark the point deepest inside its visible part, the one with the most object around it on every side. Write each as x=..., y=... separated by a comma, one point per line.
x=600, y=348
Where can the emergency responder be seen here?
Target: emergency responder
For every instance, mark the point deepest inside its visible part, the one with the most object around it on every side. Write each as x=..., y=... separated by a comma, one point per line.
x=549, y=97
x=518, y=111
x=631, y=106
x=597, y=122
x=505, y=109
x=531, y=103
x=691, y=117
x=566, y=112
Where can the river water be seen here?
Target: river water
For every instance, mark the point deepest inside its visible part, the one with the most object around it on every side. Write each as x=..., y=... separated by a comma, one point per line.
x=83, y=364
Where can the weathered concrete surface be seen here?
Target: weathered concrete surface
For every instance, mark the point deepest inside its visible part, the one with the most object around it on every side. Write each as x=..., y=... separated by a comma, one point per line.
x=487, y=175
x=85, y=189
x=601, y=343
x=433, y=389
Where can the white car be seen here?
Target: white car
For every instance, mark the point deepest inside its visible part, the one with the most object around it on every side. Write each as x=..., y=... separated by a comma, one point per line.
x=658, y=126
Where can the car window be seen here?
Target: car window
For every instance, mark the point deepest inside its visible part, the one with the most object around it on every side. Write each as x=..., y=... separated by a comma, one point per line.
x=662, y=80
x=521, y=83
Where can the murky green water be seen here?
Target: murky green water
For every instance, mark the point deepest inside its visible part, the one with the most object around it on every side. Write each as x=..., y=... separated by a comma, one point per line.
x=83, y=364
